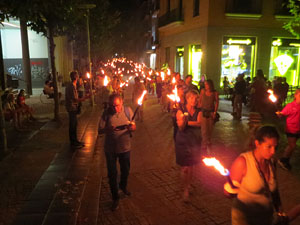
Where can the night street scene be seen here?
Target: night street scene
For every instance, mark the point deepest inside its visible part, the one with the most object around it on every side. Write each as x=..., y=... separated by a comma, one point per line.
x=150, y=112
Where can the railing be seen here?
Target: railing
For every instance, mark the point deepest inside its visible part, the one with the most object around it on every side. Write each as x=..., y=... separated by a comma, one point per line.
x=244, y=6
x=175, y=15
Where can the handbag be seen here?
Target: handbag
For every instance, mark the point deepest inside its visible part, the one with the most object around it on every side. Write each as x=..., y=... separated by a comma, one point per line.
x=217, y=118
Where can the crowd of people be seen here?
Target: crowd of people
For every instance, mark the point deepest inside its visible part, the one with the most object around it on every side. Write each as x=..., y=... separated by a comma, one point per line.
x=254, y=93
x=194, y=111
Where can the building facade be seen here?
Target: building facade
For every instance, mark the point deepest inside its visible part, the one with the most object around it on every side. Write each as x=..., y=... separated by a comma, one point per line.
x=221, y=38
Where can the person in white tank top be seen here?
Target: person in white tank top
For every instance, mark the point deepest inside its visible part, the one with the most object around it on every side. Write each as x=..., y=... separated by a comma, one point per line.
x=253, y=173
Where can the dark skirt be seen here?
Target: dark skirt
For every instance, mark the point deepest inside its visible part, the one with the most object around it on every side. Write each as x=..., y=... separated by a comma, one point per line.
x=187, y=146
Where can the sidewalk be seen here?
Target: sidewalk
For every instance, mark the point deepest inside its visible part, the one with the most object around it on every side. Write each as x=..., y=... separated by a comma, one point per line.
x=73, y=187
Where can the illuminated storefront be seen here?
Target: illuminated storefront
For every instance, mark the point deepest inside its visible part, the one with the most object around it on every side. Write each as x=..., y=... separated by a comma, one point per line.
x=179, y=63
x=285, y=60
x=195, y=56
x=238, y=55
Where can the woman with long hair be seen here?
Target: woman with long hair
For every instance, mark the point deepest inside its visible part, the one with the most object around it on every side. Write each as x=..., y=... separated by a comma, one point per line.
x=209, y=103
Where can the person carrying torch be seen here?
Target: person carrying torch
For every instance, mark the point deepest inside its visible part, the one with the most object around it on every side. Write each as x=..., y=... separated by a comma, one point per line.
x=292, y=129
x=188, y=140
x=72, y=101
x=117, y=123
x=254, y=184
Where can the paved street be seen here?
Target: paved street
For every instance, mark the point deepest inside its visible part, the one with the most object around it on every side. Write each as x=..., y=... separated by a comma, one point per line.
x=74, y=189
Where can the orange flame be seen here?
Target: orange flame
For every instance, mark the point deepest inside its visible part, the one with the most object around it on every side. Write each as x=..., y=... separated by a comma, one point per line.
x=272, y=97
x=140, y=100
x=105, y=82
x=174, y=97
x=162, y=74
x=217, y=165
x=88, y=75
x=173, y=80
x=169, y=72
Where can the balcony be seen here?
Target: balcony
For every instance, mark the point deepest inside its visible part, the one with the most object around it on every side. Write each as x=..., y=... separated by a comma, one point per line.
x=247, y=9
x=175, y=16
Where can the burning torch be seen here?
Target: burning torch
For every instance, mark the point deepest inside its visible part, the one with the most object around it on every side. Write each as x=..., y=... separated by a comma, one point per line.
x=140, y=102
x=234, y=185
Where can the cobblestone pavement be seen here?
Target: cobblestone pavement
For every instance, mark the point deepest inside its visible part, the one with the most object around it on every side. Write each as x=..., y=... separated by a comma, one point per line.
x=155, y=178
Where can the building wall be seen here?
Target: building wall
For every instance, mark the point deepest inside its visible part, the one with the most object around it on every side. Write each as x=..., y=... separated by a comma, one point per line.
x=208, y=30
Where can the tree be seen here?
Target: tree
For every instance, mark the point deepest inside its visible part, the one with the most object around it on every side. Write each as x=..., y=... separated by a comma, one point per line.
x=51, y=18
x=293, y=25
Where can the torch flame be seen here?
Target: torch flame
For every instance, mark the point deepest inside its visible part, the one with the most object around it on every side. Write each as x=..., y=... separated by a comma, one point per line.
x=272, y=97
x=162, y=74
x=173, y=80
x=169, y=72
x=174, y=97
x=217, y=165
x=105, y=82
x=88, y=75
x=140, y=100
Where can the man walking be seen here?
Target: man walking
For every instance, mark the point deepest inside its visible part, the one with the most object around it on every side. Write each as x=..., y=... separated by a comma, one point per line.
x=72, y=101
x=117, y=125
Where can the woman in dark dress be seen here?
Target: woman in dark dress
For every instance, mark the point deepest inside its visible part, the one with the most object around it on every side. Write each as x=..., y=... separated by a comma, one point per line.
x=188, y=139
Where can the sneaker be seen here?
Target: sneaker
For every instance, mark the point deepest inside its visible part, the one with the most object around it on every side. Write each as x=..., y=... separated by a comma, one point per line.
x=115, y=205
x=284, y=164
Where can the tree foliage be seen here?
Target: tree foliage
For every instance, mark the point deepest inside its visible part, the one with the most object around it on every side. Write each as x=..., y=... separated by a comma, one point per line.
x=293, y=25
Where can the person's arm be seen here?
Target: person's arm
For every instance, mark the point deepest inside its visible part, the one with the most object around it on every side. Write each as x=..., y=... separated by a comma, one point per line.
x=284, y=112
x=181, y=120
x=237, y=172
x=200, y=98
x=132, y=126
x=196, y=123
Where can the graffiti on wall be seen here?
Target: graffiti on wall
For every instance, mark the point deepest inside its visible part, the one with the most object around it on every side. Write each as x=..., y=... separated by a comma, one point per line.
x=39, y=70
x=15, y=70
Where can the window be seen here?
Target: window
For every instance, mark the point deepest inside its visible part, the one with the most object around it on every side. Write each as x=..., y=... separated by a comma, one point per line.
x=196, y=7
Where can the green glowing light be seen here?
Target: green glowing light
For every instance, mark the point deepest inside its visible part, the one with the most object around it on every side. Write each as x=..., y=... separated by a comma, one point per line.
x=283, y=63
x=239, y=41
x=277, y=42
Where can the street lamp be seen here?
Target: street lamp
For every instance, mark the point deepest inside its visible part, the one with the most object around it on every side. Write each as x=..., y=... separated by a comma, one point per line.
x=87, y=7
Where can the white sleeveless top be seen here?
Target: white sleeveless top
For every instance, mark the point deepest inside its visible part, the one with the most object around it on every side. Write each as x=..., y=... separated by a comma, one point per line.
x=252, y=190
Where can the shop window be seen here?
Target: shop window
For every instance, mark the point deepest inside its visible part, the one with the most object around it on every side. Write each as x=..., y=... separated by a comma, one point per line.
x=285, y=60
x=196, y=7
x=237, y=57
x=179, y=60
x=195, y=56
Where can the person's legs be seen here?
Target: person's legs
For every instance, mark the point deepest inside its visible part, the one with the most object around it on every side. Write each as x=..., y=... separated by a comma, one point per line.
x=124, y=160
x=284, y=162
x=239, y=105
x=111, y=159
x=186, y=177
x=73, y=127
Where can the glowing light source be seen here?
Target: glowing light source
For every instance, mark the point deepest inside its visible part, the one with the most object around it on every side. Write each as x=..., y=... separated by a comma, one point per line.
x=283, y=63
x=217, y=165
x=239, y=41
x=88, y=75
x=140, y=100
x=277, y=42
x=272, y=97
x=105, y=81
